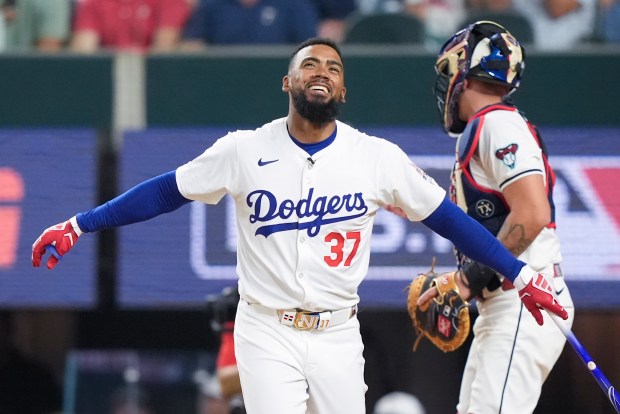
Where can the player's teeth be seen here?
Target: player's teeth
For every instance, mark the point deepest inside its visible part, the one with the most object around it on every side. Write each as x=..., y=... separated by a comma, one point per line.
x=319, y=88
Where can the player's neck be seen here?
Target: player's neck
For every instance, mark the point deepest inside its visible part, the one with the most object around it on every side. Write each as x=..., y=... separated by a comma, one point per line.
x=471, y=106
x=307, y=132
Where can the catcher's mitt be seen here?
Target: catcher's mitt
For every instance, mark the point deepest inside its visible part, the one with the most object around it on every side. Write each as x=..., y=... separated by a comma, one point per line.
x=445, y=319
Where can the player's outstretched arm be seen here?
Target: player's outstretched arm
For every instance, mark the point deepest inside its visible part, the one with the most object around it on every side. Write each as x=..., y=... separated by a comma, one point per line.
x=147, y=200
x=536, y=290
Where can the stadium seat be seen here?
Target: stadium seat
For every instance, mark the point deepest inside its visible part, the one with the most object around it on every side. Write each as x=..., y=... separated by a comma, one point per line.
x=516, y=23
x=385, y=28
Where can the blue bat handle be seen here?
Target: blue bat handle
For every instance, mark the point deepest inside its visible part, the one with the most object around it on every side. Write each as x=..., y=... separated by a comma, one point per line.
x=52, y=250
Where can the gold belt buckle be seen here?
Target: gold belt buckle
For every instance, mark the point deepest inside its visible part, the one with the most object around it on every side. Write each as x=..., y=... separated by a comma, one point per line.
x=305, y=321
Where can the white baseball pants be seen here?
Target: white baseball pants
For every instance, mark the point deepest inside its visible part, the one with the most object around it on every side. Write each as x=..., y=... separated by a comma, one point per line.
x=287, y=371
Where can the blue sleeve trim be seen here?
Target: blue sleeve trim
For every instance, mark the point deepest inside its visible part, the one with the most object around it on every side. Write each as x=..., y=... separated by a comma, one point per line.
x=149, y=199
x=470, y=237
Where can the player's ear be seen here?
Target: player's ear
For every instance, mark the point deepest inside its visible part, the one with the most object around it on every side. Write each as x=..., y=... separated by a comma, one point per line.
x=286, y=85
x=343, y=94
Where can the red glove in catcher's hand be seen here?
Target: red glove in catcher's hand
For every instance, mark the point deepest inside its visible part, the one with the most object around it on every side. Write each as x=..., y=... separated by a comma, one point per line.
x=62, y=237
x=537, y=292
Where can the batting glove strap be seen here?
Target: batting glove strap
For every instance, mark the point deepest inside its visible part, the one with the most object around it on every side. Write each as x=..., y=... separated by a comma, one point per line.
x=523, y=278
x=76, y=228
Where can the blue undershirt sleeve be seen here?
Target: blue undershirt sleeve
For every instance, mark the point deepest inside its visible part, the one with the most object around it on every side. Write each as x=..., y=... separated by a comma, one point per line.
x=149, y=199
x=470, y=237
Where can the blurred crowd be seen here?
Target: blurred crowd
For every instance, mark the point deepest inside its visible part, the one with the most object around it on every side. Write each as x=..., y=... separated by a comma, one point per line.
x=88, y=26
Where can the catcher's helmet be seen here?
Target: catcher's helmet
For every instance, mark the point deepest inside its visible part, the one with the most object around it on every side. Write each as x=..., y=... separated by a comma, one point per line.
x=484, y=50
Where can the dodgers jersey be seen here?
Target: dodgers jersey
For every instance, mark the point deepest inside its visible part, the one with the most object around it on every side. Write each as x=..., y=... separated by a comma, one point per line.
x=497, y=148
x=304, y=227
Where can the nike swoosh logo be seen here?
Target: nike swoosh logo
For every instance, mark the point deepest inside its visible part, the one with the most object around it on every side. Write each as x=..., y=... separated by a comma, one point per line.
x=262, y=163
x=557, y=292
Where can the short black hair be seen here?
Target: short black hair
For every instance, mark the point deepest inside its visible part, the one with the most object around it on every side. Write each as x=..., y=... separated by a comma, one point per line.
x=315, y=41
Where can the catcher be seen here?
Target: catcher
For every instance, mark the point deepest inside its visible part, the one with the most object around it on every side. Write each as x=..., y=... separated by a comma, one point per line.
x=503, y=179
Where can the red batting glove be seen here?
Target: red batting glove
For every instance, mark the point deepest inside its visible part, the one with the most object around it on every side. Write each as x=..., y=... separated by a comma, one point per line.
x=61, y=237
x=536, y=291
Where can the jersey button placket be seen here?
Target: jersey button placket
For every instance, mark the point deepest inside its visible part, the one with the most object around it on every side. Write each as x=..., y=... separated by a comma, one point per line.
x=303, y=241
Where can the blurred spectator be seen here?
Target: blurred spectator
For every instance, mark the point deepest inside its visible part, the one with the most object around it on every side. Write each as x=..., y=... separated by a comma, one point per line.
x=609, y=20
x=379, y=6
x=490, y=5
x=399, y=402
x=136, y=25
x=210, y=399
x=441, y=19
x=36, y=25
x=26, y=385
x=221, y=311
x=333, y=17
x=227, y=22
x=558, y=24
x=2, y=29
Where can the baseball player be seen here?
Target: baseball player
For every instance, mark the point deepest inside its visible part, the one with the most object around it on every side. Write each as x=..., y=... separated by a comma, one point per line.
x=501, y=178
x=306, y=189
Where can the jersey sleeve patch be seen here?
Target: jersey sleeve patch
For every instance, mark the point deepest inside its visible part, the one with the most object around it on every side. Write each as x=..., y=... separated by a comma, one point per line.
x=508, y=155
x=422, y=173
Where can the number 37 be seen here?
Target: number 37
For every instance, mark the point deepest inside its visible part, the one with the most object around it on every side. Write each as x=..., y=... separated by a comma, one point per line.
x=338, y=243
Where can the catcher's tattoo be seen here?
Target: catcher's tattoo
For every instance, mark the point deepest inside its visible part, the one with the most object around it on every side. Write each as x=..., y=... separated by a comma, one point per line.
x=514, y=238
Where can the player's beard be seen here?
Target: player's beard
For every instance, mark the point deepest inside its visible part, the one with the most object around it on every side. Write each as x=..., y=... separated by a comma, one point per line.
x=316, y=112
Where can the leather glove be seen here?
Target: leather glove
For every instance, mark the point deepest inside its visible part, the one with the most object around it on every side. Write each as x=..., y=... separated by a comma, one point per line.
x=444, y=320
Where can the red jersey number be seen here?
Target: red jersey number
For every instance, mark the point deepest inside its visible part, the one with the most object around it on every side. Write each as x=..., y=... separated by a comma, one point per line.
x=338, y=243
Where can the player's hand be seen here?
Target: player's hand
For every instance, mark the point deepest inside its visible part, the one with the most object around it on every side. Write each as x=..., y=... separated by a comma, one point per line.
x=537, y=292
x=432, y=292
x=59, y=239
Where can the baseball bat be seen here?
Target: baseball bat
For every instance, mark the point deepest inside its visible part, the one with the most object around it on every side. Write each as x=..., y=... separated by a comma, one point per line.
x=598, y=375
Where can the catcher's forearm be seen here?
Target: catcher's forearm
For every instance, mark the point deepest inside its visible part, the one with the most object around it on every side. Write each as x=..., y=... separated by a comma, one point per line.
x=513, y=236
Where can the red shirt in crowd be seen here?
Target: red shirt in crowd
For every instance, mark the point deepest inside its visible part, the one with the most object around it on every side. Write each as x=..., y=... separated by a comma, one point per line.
x=129, y=24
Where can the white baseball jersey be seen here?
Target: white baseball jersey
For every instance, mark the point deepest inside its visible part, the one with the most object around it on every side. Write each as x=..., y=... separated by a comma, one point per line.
x=304, y=226
x=506, y=152
x=511, y=355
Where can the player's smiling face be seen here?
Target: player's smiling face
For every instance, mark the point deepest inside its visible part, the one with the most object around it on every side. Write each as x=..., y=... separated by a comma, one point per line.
x=319, y=72
x=316, y=83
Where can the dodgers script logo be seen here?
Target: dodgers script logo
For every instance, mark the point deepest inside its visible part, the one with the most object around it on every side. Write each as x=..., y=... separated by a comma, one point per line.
x=318, y=211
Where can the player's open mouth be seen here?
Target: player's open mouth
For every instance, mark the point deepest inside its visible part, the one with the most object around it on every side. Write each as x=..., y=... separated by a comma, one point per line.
x=321, y=89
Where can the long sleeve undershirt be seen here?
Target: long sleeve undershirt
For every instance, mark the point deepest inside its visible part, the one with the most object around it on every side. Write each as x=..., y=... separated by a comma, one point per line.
x=161, y=195
x=470, y=237
x=149, y=199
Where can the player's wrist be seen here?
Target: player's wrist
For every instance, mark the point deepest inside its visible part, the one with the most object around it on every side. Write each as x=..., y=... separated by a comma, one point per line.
x=523, y=278
x=463, y=284
x=76, y=227
x=478, y=276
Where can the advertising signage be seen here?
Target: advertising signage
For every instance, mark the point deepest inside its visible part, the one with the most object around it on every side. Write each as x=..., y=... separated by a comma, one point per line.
x=46, y=176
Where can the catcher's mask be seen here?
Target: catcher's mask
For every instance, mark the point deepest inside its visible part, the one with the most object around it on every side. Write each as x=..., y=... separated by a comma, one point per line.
x=483, y=50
